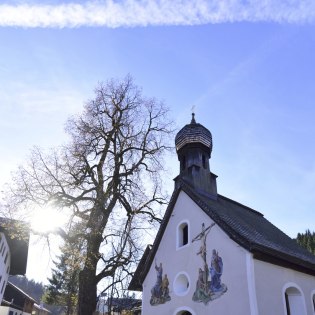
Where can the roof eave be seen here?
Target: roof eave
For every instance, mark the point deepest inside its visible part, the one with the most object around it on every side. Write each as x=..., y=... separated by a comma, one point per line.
x=259, y=252
x=281, y=259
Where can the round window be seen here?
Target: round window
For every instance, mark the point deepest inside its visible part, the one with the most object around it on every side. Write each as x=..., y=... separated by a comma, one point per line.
x=181, y=284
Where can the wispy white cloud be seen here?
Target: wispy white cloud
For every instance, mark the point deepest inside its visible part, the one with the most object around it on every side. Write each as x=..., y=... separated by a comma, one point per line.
x=131, y=13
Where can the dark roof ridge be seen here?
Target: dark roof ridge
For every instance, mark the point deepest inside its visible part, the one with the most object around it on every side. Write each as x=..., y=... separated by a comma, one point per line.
x=242, y=205
x=215, y=217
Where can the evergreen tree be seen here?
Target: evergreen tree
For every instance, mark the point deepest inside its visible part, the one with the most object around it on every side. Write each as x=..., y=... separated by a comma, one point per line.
x=307, y=240
x=64, y=284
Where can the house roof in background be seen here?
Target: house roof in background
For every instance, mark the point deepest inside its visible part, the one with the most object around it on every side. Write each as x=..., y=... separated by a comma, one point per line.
x=16, y=298
x=121, y=304
x=20, y=291
x=40, y=307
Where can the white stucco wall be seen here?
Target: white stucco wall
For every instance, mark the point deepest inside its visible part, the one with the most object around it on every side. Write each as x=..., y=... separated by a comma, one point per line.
x=271, y=283
x=5, y=310
x=4, y=265
x=254, y=287
x=235, y=271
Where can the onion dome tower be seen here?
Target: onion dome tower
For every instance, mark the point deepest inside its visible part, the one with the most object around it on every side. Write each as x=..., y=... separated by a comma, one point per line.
x=194, y=146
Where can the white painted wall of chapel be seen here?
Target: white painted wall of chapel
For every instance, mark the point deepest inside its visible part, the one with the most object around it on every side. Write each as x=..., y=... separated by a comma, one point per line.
x=185, y=259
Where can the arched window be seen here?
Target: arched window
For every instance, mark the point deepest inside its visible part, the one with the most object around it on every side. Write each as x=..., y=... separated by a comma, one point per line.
x=184, y=310
x=182, y=234
x=313, y=301
x=294, y=302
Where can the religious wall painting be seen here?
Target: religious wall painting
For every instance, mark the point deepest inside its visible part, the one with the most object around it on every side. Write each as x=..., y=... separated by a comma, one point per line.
x=160, y=291
x=209, y=286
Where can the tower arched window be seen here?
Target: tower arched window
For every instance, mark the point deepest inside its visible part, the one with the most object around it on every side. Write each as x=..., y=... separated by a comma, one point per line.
x=294, y=301
x=183, y=162
x=204, y=161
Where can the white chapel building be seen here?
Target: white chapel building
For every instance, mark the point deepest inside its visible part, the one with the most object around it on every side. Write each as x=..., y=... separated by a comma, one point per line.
x=213, y=255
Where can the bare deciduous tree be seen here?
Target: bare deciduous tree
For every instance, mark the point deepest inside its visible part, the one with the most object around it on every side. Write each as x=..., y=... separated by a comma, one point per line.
x=108, y=177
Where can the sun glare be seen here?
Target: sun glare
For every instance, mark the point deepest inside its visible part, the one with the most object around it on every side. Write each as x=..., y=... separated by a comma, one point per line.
x=47, y=219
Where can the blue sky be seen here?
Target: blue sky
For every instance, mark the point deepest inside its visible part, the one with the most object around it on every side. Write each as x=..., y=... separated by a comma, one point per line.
x=247, y=66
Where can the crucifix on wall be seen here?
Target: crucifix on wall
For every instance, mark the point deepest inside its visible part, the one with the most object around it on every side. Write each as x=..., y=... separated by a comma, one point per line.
x=208, y=290
x=202, y=236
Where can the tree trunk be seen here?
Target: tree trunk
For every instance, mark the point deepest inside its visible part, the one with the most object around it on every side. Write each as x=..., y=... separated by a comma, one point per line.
x=87, y=277
x=87, y=292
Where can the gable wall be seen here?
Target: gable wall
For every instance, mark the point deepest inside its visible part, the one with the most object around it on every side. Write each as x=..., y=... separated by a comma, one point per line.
x=235, y=261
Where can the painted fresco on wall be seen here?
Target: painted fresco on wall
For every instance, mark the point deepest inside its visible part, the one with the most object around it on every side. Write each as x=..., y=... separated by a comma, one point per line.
x=160, y=291
x=209, y=286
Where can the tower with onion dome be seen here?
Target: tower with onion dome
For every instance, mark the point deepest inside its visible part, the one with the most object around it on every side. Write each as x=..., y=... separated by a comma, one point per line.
x=194, y=146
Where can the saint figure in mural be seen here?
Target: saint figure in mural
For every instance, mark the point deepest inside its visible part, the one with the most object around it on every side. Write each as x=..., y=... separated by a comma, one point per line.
x=207, y=290
x=165, y=283
x=160, y=291
x=216, y=270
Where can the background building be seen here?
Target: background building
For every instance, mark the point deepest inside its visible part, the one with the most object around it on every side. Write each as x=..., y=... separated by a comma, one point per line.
x=14, y=239
x=17, y=302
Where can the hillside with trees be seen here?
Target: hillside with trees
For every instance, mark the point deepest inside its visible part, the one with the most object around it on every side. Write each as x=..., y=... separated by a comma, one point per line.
x=307, y=240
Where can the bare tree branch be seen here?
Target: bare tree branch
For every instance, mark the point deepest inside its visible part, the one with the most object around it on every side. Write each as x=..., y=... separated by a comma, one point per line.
x=108, y=176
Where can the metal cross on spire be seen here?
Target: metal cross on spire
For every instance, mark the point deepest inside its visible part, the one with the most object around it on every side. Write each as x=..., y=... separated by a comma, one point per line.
x=193, y=121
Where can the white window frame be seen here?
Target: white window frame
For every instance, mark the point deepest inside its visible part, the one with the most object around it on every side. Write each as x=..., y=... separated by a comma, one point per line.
x=179, y=234
x=313, y=300
x=295, y=286
x=185, y=274
x=182, y=309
